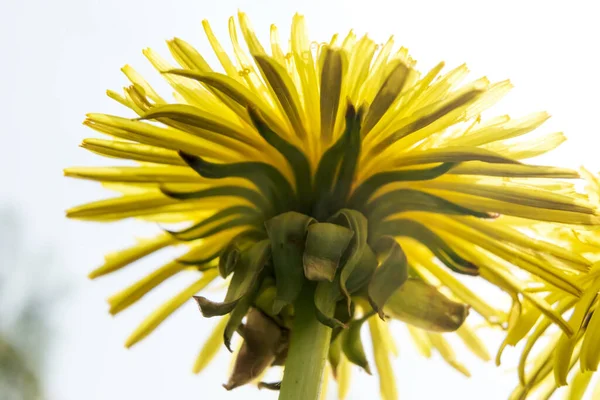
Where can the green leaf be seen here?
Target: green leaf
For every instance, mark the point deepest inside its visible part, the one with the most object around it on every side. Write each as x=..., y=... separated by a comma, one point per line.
x=294, y=156
x=325, y=245
x=329, y=166
x=287, y=233
x=271, y=183
x=387, y=94
x=353, y=346
x=331, y=88
x=403, y=200
x=221, y=220
x=358, y=224
x=233, y=191
x=414, y=230
x=391, y=274
x=364, y=192
x=422, y=305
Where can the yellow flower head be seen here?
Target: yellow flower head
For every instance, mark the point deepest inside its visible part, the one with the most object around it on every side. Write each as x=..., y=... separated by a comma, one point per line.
x=334, y=177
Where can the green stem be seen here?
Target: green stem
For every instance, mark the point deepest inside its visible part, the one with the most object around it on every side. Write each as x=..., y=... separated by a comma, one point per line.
x=309, y=345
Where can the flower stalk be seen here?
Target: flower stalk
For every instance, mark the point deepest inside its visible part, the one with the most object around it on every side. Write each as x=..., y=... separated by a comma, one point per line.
x=309, y=345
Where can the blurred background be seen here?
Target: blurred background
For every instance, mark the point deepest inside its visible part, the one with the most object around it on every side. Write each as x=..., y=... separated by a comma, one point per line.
x=57, y=340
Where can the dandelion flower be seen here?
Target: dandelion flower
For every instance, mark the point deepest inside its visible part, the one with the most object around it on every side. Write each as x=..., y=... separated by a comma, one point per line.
x=551, y=358
x=335, y=187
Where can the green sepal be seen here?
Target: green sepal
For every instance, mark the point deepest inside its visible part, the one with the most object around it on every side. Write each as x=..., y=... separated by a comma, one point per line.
x=362, y=274
x=270, y=385
x=329, y=165
x=199, y=261
x=287, y=233
x=244, y=215
x=349, y=163
x=353, y=346
x=245, y=279
x=266, y=297
x=436, y=111
x=227, y=85
x=263, y=339
x=417, y=231
x=269, y=181
x=422, y=305
x=244, y=285
x=250, y=195
x=363, y=193
x=235, y=318
x=283, y=87
x=325, y=245
x=294, y=156
x=341, y=314
x=231, y=254
x=211, y=309
x=403, y=200
x=391, y=274
x=388, y=92
x=358, y=224
x=195, y=117
x=331, y=87
x=328, y=294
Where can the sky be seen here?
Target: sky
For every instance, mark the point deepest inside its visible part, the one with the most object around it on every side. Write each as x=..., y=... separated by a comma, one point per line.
x=59, y=57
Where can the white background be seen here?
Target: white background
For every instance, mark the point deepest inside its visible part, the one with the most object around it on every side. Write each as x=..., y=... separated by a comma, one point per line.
x=58, y=57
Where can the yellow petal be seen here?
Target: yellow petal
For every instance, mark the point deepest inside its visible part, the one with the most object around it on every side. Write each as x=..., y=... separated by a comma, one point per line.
x=132, y=151
x=211, y=346
x=387, y=380
x=167, y=308
x=173, y=174
x=421, y=340
x=473, y=342
x=579, y=385
x=344, y=377
x=122, y=258
x=128, y=296
x=445, y=350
